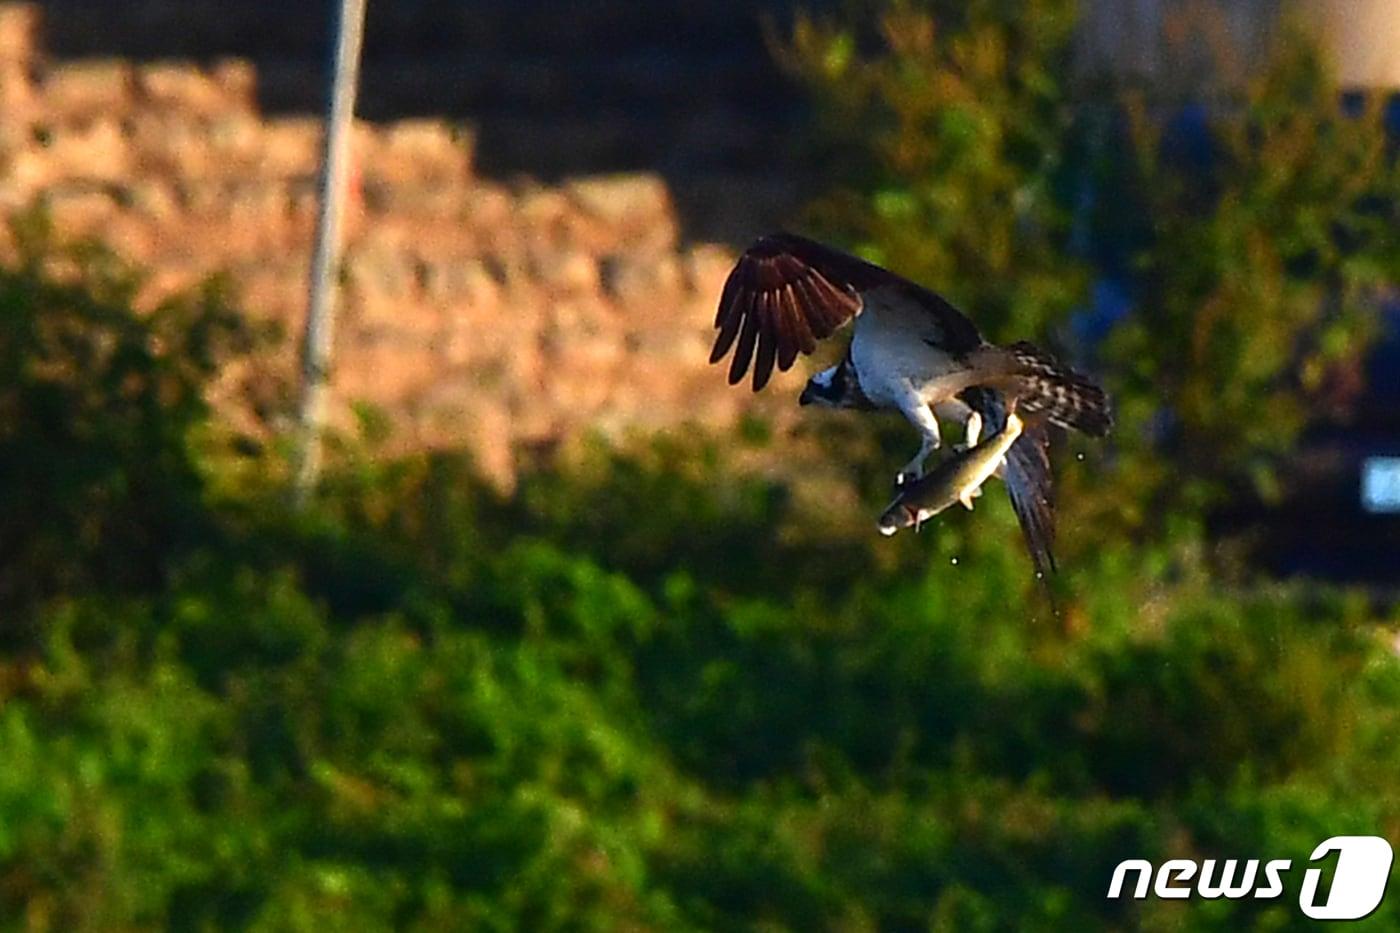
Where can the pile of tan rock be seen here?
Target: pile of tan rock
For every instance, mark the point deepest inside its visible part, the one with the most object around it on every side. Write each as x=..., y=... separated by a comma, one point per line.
x=473, y=312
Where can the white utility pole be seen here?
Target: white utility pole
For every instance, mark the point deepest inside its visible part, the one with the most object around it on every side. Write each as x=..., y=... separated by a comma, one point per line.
x=325, y=267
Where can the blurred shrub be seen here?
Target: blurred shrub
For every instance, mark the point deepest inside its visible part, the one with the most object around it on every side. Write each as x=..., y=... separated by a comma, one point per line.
x=1249, y=231
x=949, y=136
x=1262, y=245
x=649, y=690
x=638, y=693
x=96, y=406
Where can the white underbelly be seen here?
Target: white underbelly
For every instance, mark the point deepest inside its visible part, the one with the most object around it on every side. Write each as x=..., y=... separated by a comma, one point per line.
x=891, y=356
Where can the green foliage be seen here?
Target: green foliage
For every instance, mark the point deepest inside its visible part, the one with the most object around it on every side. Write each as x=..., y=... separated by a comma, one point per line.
x=1252, y=246
x=948, y=128
x=95, y=406
x=1259, y=276
x=640, y=692
x=650, y=690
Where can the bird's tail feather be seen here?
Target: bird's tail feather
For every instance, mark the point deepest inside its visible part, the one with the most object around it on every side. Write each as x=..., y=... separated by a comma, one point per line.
x=1046, y=388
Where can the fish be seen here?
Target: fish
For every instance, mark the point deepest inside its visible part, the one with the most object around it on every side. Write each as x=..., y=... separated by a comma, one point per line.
x=957, y=479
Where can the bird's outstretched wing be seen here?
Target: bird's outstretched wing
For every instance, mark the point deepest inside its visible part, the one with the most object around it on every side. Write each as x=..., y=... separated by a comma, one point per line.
x=786, y=292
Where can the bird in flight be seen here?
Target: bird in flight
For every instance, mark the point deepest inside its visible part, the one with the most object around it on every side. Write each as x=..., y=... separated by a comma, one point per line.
x=911, y=351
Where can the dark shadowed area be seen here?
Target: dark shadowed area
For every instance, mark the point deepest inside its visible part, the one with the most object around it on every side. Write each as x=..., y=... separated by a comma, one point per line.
x=552, y=89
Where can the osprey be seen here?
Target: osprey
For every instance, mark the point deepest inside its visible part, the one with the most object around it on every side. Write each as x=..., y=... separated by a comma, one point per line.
x=911, y=351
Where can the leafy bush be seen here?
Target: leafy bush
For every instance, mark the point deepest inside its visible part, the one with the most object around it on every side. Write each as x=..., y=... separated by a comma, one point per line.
x=950, y=139
x=651, y=690
x=633, y=694
x=95, y=408
x=1248, y=230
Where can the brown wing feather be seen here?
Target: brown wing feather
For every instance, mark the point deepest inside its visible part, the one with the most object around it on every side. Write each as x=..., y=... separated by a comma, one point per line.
x=785, y=293
x=806, y=340
x=788, y=323
x=748, y=335
x=1029, y=485
x=769, y=335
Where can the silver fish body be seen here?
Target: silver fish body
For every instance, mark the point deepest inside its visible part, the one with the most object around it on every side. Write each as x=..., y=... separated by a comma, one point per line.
x=957, y=479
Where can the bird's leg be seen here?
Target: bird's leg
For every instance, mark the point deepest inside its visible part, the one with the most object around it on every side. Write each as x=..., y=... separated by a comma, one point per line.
x=921, y=416
x=915, y=467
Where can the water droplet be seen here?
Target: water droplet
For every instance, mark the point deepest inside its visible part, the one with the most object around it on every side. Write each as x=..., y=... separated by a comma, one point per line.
x=955, y=561
x=1039, y=575
x=1079, y=457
